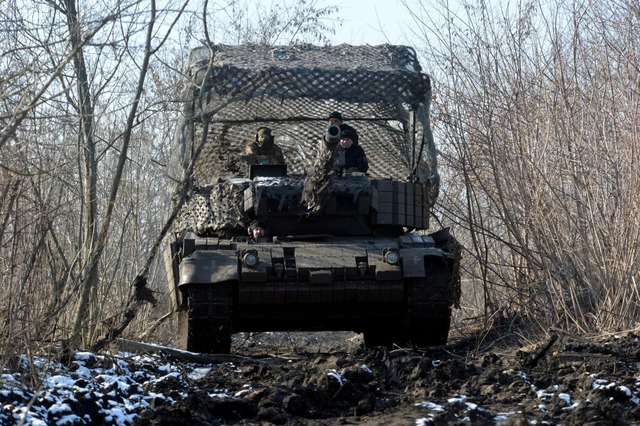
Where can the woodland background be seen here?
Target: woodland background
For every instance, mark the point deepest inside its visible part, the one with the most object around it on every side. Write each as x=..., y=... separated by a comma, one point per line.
x=536, y=116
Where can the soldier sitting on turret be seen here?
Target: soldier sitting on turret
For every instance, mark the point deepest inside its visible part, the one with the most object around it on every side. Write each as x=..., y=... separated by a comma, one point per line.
x=264, y=150
x=349, y=156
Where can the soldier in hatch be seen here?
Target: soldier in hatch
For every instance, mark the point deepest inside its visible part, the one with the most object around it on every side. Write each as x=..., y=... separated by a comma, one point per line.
x=349, y=156
x=336, y=118
x=256, y=231
x=263, y=149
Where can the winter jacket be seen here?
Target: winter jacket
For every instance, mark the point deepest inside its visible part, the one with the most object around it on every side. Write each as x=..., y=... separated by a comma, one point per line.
x=271, y=154
x=351, y=159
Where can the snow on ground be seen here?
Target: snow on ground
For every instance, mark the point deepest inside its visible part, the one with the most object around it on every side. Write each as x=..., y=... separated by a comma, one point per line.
x=576, y=383
x=91, y=389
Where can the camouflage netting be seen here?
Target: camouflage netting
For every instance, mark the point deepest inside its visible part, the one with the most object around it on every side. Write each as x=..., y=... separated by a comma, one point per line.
x=380, y=90
x=215, y=208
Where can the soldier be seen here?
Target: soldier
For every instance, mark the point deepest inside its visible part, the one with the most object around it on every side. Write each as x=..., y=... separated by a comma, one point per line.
x=263, y=149
x=336, y=118
x=256, y=230
x=350, y=156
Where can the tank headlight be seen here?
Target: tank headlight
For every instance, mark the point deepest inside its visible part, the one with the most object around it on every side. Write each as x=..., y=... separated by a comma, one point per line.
x=250, y=258
x=392, y=257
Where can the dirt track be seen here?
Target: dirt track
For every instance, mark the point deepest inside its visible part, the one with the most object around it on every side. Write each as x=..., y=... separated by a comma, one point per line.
x=327, y=378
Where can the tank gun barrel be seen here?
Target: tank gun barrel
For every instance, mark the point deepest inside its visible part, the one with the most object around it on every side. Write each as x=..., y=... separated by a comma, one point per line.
x=331, y=137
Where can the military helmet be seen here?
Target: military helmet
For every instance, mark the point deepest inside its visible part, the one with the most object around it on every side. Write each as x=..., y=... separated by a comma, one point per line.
x=264, y=137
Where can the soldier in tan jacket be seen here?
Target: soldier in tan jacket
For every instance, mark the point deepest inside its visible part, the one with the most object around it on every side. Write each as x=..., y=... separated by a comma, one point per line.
x=263, y=149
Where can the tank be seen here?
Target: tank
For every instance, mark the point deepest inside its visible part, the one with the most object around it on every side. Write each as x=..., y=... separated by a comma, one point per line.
x=350, y=251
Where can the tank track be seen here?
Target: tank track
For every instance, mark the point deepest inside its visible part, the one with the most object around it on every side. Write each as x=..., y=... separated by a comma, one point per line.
x=205, y=325
x=429, y=305
x=427, y=311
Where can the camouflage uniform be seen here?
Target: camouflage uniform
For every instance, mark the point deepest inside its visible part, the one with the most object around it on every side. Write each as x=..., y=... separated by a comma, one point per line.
x=264, y=149
x=272, y=154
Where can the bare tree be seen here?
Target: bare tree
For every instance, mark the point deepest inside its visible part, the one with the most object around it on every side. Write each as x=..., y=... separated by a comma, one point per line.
x=251, y=22
x=80, y=60
x=537, y=116
x=90, y=97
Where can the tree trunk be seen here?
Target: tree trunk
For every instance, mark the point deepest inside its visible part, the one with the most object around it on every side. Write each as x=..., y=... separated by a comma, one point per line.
x=87, y=145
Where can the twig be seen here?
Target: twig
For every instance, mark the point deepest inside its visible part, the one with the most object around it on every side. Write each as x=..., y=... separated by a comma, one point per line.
x=155, y=325
x=533, y=359
x=185, y=356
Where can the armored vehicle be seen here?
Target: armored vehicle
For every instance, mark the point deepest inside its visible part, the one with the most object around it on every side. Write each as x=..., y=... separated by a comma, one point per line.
x=341, y=251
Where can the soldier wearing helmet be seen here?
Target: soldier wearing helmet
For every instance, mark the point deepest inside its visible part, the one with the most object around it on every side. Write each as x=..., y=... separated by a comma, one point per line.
x=263, y=149
x=256, y=230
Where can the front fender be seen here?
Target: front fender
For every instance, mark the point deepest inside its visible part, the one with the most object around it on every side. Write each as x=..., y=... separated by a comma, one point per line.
x=209, y=266
x=413, y=260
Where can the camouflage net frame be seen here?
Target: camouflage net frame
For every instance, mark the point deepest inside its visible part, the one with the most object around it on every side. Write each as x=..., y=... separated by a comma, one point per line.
x=379, y=90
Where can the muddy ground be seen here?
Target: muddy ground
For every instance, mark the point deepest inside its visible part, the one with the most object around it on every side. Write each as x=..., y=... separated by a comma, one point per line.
x=329, y=378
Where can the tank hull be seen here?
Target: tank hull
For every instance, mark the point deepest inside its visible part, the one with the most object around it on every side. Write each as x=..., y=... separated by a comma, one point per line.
x=334, y=284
